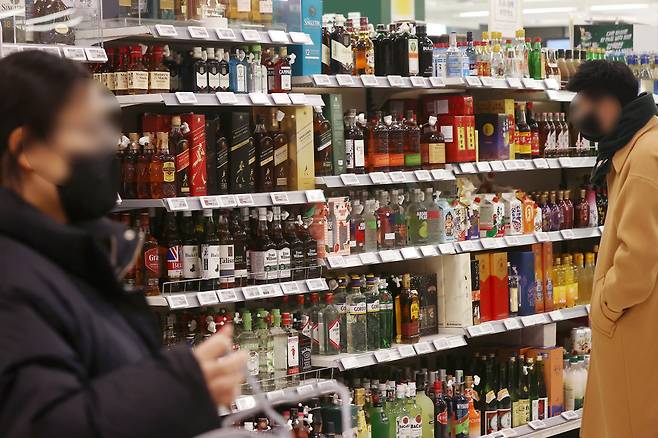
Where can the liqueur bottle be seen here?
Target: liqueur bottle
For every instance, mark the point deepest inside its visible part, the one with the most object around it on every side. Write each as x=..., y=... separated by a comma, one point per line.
x=296, y=249
x=154, y=171
x=322, y=141
x=223, y=68
x=329, y=325
x=385, y=316
x=372, y=313
x=407, y=312
x=341, y=48
x=143, y=164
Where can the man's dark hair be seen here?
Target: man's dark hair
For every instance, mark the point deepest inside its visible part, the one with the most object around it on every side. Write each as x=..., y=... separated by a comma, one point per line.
x=605, y=78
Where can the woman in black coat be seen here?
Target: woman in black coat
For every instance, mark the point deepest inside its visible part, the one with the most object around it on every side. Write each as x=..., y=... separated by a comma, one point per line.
x=79, y=356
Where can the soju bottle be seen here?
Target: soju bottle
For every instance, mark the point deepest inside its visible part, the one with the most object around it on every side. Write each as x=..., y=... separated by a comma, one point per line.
x=356, y=318
x=385, y=315
x=372, y=313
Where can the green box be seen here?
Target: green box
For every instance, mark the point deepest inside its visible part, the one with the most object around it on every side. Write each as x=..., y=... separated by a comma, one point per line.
x=333, y=111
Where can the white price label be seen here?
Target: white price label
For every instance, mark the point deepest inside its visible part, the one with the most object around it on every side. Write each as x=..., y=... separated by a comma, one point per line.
x=349, y=179
x=390, y=255
x=75, y=53
x=570, y=415
x=270, y=290
x=409, y=253
x=177, y=301
x=48, y=49
x=228, y=201
x=394, y=80
x=483, y=166
x=290, y=288
x=300, y=38
x=510, y=165
x=227, y=295
x=456, y=341
x=369, y=258
x=278, y=36
x=336, y=261
x=198, y=32
x=556, y=315
x=280, y=98
x=209, y=201
x=345, y=80
x=251, y=35
x=467, y=246
x=473, y=81
x=437, y=82
x=423, y=347
x=186, y=98
x=352, y=260
x=529, y=320
x=225, y=34
x=418, y=81
x=512, y=324
x=398, y=177
x=567, y=234
x=245, y=403
x=487, y=81
x=207, y=298
x=304, y=389
x=514, y=82
x=551, y=84
x=429, y=251
x=467, y=168
x=245, y=200
x=508, y=433
x=379, y=178
x=474, y=330
x=226, y=98
x=487, y=328
x=524, y=164
x=497, y=166
x=441, y=344
x=382, y=356
x=349, y=362
x=511, y=240
x=177, y=204
x=259, y=98
x=447, y=248
x=489, y=243
x=537, y=424
x=531, y=83
x=298, y=98
x=251, y=292
x=369, y=80
x=279, y=198
x=406, y=350
x=540, y=163
x=423, y=175
x=314, y=196
x=541, y=236
x=273, y=395
x=96, y=54
x=321, y=80
x=316, y=284
x=166, y=30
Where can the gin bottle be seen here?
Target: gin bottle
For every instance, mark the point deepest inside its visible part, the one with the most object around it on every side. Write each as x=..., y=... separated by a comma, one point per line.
x=329, y=325
x=372, y=313
x=356, y=317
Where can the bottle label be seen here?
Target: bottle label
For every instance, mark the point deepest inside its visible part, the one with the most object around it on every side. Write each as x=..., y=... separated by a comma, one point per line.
x=342, y=308
x=502, y=394
x=182, y=161
x=306, y=328
x=159, y=80
x=138, y=80
x=534, y=410
x=281, y=155
x=349, y=153
x=285, y=73
x=213, y=81
x=373, y=307
x=416, y=430
x=284, y=263
x=520, y=413
x=224, y=81
x=244, y=5
x=210, y=261
x=357, y=309
x=271, y=264
x=293, y=354
x=333, y=330
x=542, y=408
x=227, y=264
x=491, y=418
x=461, y=138
x=191, y=261
x=442, y=417
x=168, y=171
x=174, y=264
x=436, y=153
x=326, y=54
x=253, y=366
x=324, y=141
x=257, y=262
x=524, y=142
x=359, y=154
x=489, y=397
x=265, y=6
x=152, y=262
x=342, y=54
x=413, y=56
x=241, y=78
x=403, y=426
x=109, y=79
x=504, y=419
x=414, y=311
x=121, y=81
x=315, y=332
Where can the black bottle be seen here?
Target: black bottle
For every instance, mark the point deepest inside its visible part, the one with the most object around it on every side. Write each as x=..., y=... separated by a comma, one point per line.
x=425, y=49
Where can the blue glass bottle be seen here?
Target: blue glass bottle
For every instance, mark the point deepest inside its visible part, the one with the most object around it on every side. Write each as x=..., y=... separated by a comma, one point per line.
x=238, y=71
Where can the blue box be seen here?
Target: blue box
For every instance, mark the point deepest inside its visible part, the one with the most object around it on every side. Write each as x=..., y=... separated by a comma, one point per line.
x=524, y=262
x=308, y=59
x=492, y=136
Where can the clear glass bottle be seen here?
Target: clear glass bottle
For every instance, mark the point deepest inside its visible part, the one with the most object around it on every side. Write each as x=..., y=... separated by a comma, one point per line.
x=329, y=327
x=286, y=350
x=417, y=223
x=471, y=55
x=412, y=142
x=357, y=228
x=396, y=142
x=248, y=341
x=433, y=217
x=521, y=50
x=265, y=351
x=314, y=319
x=370, y=221
x=373, y=313
x=453, y=58
x=356, y=317
x=497, y=63
x=511, y=61
x=385, y=222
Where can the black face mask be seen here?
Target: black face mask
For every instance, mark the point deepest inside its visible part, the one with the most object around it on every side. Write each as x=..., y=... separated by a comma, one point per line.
x=91, y=189
x=590, y=127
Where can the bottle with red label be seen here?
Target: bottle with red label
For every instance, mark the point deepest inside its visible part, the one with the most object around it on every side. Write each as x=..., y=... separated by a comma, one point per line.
x=159, y=76
x=441, y=427
x=534, y=130
x=314, y=314
x=138, y=75
x=167, y=178
x=358, y=229
x=170, y=254
x=155, y=174
x=180, y=148
x=329, y=324
x=150, y=258
x=523, y=134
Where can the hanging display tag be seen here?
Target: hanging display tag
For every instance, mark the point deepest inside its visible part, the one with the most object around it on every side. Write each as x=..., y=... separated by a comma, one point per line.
x=473, y=81
x=336, y=261
x=447, y=248
x=406, y=350
x=514, y=82
x=487, y=81
x=316, y=284
x=300, y=38
x=423, y=348
x=369, y=258
x=349, y=179
x=379, y=178
x=251, y=292
x=314, y=196
x=409, y=253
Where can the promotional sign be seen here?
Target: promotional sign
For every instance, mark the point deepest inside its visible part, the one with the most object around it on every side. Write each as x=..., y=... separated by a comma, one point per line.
x=505, y=16
x=607, y=36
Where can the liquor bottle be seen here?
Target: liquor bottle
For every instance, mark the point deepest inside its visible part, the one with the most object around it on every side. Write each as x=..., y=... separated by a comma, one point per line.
x=296, y=249
x=261, y=11
x=411, y=142
x=223, y=72
x=425, y=405
x=586, y=280
x=460, y=408
x=341, y=48
x=474, y=417
x=327, y=24
x=283, y=73
x=107, y=71
x=180, y=149
x=521, y=412
x=396, y=138
x=150, y=259
x=211, y=66
x=534, y=130
x=354, y=145
x=356, y=317
x=433, y=217
x=314, y=317
x=415, y=414
x=210, y=256
x=370, y=222
x=170, y=251
x=227, y=262
x=407, y=313
x=373, y=314
x=471, y=55
x=407, y=51
x=301, y=322
x=441, y=427
x=264, y=156
x=521, y=54
x=238, y=232
x=425, y=51
x=432, y=146
x=399, y=205
x=199, y=71
x=535, y=60
x=376, y=139
x=158, y=75
x=566, y=141
x=322, y=138
x=490, y=400
x=453, y=58
x=523, y=133
x=286, y=350
x=364, y=51
x=556, y=214
x=416, y=215
x=137, y=73
x=190, y=248
x=281, y=164
x=498, y=63
x=383, y=51
x=142, y=169
x=164, y=184
x=540, y=408
x=385, y=220
x=263, y=252
x=121, y=72
x=282, y=246
x=340, y=301
x=401, y=413
x=237, y=68
x=329, y=327
x=568, y=210
x=310, y=252
x=379, y=421
x=265, y=351
x=248, y=341
x=513, y=281
x=357, y=228
x=503, y=398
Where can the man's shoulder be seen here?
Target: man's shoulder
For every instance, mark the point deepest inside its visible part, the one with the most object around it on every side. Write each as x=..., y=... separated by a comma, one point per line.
x=643, y=159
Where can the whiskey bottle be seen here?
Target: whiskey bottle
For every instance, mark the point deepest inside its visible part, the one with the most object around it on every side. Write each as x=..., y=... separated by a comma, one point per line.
x=342, y=61
x=425, y=51
x=383, y=53
x=407, y=51
x=264, y=157
x=107, y=71
x=191, y=259
x=377, y=144
x=396, y=139
x=129, y=168
x=158, y=73
x=239, y=233
x=143, y=163
x=354, y=145
x=313, y=270
x=280, y=138
x=150, y=258
x=412, y=142
x=322, y=143
x=223, y=69
x=326, y=44
x=432, y=146
x=180, y=149
x=210, y=258
x=170, y=253
x=263, y=252
x=296, y=249
x=364, y=50
x=155, y=174
x=199, y=71
x=212, y=66
x=226, y=253
x=282, y=247
x=121, y=73
x=408, y=313
x=283, y=75
x=138, y=76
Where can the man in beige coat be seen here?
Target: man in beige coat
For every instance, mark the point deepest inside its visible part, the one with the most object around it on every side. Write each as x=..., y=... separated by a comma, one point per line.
x=621, y=400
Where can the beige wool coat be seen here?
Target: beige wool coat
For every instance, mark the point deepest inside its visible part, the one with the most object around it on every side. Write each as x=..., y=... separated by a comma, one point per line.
x=621, y=400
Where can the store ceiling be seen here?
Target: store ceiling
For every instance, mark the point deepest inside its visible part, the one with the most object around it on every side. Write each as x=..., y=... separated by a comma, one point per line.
x=540, y=13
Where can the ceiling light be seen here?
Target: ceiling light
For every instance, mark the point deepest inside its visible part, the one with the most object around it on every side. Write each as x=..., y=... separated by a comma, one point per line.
x=473, y=14
x=619, y=7
x=548, y=10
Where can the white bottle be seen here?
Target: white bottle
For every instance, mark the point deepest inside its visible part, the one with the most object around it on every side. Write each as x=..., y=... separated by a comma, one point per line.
x=453, y=58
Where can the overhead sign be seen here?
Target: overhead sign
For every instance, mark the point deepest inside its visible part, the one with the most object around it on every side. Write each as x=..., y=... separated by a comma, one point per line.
x=607, y=36
x=505, y=16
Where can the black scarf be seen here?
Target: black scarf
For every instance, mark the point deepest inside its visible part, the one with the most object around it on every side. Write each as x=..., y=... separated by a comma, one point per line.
x=633, y=117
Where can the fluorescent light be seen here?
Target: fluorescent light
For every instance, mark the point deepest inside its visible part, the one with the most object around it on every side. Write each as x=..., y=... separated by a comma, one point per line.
x=548, y=10
x=619, y=7
x=473, y=14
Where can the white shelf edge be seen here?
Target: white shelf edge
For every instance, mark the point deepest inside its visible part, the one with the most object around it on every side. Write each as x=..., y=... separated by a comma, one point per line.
x=210, y=99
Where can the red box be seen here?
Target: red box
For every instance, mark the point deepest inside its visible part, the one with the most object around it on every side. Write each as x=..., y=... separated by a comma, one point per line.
x=454, y=105
x=499, y=285
x=486, y=302
x=197, y=139
x=454, y=132
x=471, y=139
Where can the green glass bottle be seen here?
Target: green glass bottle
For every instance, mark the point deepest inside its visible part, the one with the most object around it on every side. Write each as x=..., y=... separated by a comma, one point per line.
x=417, y=228
x=379, y=423
x=265, y=351
x=542, y=400
x=490, y=417
x=402, y=424
x=425, y=404
x=503, y=397
x=372, y=312
x=521, y=415
x=248, y=341
x=534, y=60
x=385, y=315
x=533, y=390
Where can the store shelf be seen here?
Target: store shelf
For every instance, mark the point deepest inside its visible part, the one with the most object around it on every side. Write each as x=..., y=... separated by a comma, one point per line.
x=193, y=203
x=553, y=426
x=190, y=300
x=76, y=53
x=383, y=178
x=467, y=246
x=227, y=99
x=426, y=345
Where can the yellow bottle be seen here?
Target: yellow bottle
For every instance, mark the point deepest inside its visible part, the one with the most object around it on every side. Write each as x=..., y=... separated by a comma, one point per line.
x=361, y=424
x=571, y=282
x=586, y=280
x=559, y=285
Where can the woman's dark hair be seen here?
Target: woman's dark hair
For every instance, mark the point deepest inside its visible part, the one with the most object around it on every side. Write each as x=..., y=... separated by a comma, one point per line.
x=605, y=78
x=34, y=86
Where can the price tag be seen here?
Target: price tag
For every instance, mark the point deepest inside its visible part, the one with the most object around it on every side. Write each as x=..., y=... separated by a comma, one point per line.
x=523, y=164
x=321, y=80
x=209, y=201
x=410, y=253
x=423, y=175
x=467, y=246
x=570, y=415
x=511, y=240
x=489, y=243
x=298, y=99
x=497, y=166
x=406, y=350
x=336, y=261
x=429, y=251
x=227, y=201
x=207, y=298
x=227, y=295
x=382, y=356
x=418, y=81
x=398, y=177
x=279, y=198
x=316, y=284
x=250, y=35
x=314, y=196
x=390, y=255
x=508, y=433
x=280, y=98
x=352, y=260
x=440, y=174
x=514, y=82
x=530, y=83
x=345, y=80
x=177, y=204
x=473, y=81
x=510, y=165
x=529, y=320
x=467, y=168
x=556, y=315
x=300, y=38
x=369, y=80
x=245, y=200
x=542, y=318
x=278, y=36
x=487, y=81
x=259, y=98
x=541, y=236
x=441, y=344
x=349, y=362
x=349, y=179
x=186, y=98
x=447, y=248
x=551, y=84
x=226, y=98
x=567, y=234
x=290, y=288
x=379, y=178
x=487, y=328
x=512, y=324
x=395, y=80
x=273, y=395
x=456, y=341
x=437, y=82
x=75, y=53
x=474, y=330
x=198, y=32
x=96, y=54
x=166, y=30
x=537, y=424
x=304, y=389
x=483, y=166
x=330, y=384
x=540, y=163
x=251, y=292
x=177, y=301
x=225, y=34
x=423, y=348
x=270, y=290
x=369, y=258
x=245, y=403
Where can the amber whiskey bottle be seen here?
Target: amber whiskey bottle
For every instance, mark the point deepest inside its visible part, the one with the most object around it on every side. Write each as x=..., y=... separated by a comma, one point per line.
x=150, y=258
x=396, y=138
x=168, y=164
x=138, y=76
x=322, y=142
x=408, y=311
x=364, y=51
x=159, y=76
x=264, y=157
x=181, y=150
x=155, y=169
x=280, y=138
x=342, y=60
x=377, y=144
x=432, y=146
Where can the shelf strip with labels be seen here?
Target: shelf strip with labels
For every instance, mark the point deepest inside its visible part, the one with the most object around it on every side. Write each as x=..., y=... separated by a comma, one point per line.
x=467, y=246
x=75, y=53
x=521, y=165
x=553, y=426
x=519, y=322
x=227, y=99
x=426, y=345
x=214, y=36
x=225, y=201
